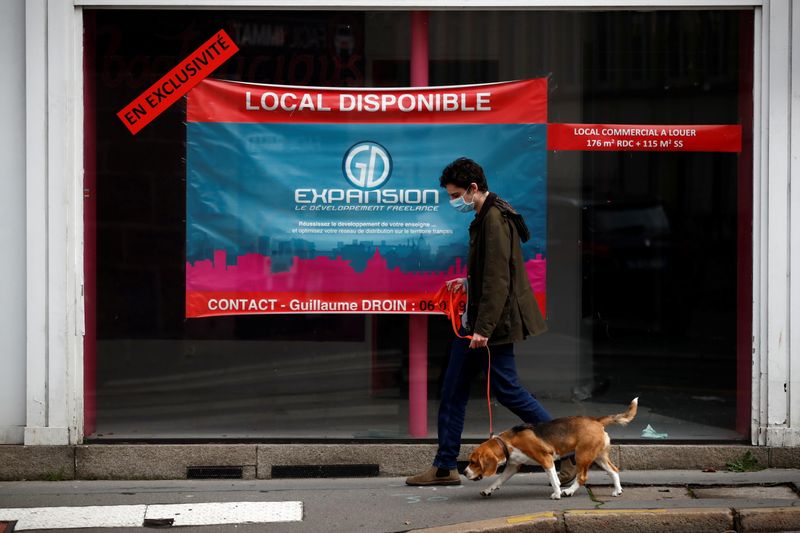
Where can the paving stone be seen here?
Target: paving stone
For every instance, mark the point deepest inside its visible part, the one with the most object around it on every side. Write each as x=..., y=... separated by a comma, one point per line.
x=780, y=492
x=545, y=522
x=603, y=494
x=649, y=520
x=773, y=519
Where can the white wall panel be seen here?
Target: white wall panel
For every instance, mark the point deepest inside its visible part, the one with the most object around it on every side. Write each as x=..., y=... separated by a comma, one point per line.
x=12, y=221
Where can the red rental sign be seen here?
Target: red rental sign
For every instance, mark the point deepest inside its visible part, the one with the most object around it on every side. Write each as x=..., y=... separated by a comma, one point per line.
x=517, y=102
x=177, y=82
x=644, y=138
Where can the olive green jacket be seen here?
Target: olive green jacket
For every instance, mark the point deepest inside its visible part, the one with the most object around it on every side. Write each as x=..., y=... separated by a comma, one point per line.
x=500, y=304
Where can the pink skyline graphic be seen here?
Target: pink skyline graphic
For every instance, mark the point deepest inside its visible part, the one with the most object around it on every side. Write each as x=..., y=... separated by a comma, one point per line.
x=253, y=273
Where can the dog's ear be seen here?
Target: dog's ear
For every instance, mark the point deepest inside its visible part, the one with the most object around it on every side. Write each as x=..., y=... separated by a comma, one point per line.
x=488, y=464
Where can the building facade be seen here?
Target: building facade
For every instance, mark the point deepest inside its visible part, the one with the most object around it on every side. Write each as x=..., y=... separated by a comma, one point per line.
x=669, y=271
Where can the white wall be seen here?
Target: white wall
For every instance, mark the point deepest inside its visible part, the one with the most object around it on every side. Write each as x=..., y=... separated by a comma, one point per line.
x=776, y=328
x=54, y=223
x=12, y=222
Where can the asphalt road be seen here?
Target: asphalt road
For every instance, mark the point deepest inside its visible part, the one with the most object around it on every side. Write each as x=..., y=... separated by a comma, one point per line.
x=388, y=505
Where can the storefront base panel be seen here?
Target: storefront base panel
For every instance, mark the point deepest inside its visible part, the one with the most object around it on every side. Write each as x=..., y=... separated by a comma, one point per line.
x=52, y=463
x=256, y=461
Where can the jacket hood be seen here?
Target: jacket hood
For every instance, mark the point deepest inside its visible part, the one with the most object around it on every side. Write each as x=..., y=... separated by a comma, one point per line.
x=492, y=200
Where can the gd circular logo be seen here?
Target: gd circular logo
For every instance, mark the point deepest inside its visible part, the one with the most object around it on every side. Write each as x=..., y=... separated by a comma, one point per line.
x=367, y=165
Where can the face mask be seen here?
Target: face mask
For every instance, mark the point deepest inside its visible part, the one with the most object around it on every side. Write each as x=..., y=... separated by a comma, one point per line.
x=461, y=205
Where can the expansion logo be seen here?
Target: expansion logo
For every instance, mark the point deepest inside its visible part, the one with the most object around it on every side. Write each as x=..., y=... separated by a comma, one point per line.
x=367, y=165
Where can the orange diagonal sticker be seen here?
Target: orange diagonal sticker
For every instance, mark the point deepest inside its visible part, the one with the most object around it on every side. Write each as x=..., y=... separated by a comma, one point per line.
x=178, y=81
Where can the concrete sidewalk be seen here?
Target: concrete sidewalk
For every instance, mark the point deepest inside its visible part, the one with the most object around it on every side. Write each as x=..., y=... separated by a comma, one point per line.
x=654, y=500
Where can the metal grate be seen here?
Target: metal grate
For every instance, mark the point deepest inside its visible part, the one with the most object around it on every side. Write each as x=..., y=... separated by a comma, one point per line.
x=214, y=472
x=320, y=471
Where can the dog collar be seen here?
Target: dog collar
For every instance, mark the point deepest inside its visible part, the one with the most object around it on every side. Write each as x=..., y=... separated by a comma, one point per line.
x=505, y=448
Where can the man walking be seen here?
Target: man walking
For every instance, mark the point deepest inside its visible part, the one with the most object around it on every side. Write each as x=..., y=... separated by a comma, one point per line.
x=501, y=310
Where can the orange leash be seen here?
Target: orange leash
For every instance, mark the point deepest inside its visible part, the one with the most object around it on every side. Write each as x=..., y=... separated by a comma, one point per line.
x=488, y=385
x=450, y=304
x=489, y=390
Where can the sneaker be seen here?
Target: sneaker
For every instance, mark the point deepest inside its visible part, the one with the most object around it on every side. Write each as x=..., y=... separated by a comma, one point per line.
x=568, y=471
x=429, y=477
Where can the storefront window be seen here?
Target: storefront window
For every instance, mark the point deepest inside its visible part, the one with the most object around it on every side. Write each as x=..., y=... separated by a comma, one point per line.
x=647, y=251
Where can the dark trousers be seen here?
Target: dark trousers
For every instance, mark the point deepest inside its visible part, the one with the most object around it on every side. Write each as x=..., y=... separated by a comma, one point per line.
x=464, y=365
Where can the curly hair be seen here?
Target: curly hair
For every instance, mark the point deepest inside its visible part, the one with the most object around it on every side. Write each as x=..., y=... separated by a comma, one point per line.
x=462, y=172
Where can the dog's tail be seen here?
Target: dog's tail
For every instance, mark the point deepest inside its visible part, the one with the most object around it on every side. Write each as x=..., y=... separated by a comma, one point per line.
x=622, y=418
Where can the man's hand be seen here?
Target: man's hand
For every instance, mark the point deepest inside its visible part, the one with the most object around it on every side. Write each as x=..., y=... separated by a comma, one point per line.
x=455, y=285
x=478, y=341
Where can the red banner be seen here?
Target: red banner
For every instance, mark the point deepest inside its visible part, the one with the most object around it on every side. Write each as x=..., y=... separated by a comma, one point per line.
x=519, y=102
x=644, y=138
x=177, y=82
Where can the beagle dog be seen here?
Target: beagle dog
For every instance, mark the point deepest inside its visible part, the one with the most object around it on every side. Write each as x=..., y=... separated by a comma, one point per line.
x=544, y=443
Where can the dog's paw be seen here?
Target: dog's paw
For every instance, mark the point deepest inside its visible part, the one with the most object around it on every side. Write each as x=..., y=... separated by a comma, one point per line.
x=486, y=493
x=555, y=496
x=617, y=493
x=567, y=492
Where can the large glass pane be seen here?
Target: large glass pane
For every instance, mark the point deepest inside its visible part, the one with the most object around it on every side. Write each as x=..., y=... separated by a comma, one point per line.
x=644, y=248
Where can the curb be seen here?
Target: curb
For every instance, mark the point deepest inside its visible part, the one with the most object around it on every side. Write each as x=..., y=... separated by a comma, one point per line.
x=696, y=520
